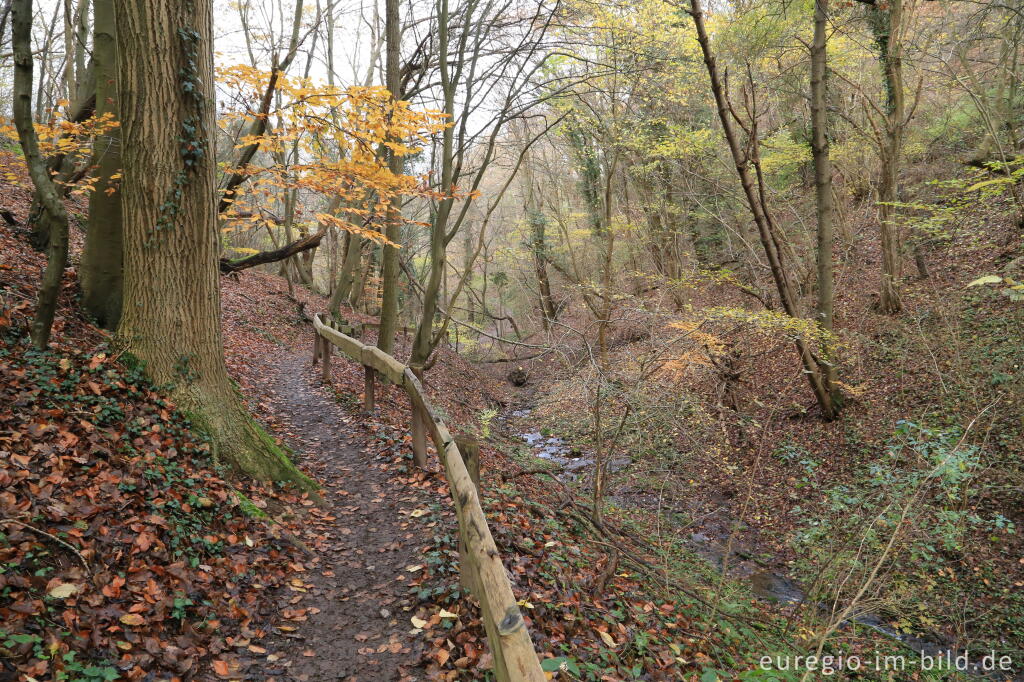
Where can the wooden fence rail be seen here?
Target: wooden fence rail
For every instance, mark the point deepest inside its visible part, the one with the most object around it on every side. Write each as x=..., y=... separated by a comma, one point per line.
x=515, y=659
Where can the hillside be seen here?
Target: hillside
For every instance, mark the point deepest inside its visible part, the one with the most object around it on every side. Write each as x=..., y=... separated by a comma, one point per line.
x=577, y=340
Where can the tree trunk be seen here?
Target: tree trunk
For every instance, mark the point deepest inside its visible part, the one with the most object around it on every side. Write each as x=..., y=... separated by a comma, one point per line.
x=302, y=245
x=823, y=189
x=390, y=270
x=812, y=369
x=423, y=344
x=171, y=320
x=538, y=244
x=62, y=166
x=467, y=264
x=349, y=269
x=81, y=44
x=886, y=25
x=101, y=269
x=53, y=214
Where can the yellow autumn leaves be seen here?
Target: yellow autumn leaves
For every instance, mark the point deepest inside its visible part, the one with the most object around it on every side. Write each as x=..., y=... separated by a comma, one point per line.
x=327, y=141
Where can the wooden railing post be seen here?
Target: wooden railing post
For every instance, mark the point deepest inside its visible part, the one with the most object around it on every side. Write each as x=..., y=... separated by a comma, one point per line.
x=419, y=431
x=316, y=346
x=368, y=389
x=325, y=349
x=469, y=451
x=469, y=448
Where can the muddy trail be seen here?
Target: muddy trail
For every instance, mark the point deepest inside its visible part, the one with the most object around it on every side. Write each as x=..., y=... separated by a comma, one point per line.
x=345, y=613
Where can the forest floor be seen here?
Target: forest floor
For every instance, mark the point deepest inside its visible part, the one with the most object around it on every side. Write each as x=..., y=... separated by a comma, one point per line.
x=264, y=584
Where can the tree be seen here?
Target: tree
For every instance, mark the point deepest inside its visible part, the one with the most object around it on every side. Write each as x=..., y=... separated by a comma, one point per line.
x=744, y=156
x=471, y=77
x=171, y=319
x=101, y=268
x=825, y=211
x=278, y=67
x=389, y=258
x=888, y=24
x=53, y=215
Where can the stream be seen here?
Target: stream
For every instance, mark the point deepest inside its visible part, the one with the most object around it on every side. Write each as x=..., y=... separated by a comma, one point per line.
x=572, y=465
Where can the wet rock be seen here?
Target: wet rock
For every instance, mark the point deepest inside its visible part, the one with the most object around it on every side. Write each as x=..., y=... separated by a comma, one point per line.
x=775, y=587
x=518, y=376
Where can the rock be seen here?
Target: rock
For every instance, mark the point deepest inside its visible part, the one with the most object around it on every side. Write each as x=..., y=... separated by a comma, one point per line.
x=518, y=377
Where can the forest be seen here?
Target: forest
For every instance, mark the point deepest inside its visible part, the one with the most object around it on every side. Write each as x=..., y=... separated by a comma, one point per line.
x=511, y=340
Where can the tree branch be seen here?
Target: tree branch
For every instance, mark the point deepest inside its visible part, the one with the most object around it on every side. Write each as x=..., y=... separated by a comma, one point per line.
x=228, y=265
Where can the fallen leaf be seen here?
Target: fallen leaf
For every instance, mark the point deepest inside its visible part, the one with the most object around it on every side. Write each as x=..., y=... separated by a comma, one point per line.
x=64, y=590
x=132, y=619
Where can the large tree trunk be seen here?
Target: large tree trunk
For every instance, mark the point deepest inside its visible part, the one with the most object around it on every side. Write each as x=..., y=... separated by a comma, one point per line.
x=171, y=318
x=101, y=269
x=390, y=270
x=53, y=215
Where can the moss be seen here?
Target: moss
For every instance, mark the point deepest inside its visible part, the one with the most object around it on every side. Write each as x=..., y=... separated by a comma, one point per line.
x=245, y=446
x=249, y=507
x=283, y=455
x=197, y=426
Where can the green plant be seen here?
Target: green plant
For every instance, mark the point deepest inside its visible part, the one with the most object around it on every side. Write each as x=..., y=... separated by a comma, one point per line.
x=486, y=419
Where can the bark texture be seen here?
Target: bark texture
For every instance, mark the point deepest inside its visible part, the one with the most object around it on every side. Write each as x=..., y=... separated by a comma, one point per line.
x=101, y=269
x=389, y=258
x=171, y=317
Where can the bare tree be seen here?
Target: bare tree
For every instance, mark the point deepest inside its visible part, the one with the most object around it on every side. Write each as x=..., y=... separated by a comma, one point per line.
x=815, y=368
x=53, y=216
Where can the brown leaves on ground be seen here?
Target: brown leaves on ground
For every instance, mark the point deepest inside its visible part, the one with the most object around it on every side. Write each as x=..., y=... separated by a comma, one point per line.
x=122, y=543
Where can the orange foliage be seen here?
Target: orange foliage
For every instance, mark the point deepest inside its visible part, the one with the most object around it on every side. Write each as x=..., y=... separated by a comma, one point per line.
x=326, y=141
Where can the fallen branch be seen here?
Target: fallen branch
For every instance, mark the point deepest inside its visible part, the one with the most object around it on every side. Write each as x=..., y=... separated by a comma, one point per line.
x=228, y=265
x=523, y=359
x=553, y=472
x=56, y=539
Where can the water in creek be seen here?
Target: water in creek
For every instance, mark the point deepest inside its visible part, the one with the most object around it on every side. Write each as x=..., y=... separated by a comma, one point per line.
x=572, y=465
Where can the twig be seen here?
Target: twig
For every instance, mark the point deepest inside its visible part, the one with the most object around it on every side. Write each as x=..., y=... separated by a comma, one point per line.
x=56, y=539
x=505, y=476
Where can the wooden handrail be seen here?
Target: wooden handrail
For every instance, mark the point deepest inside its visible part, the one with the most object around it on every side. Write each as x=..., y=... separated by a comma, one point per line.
x=515, y=659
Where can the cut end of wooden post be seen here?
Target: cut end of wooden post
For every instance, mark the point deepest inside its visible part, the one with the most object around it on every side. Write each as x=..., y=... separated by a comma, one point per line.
x=512, y=621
